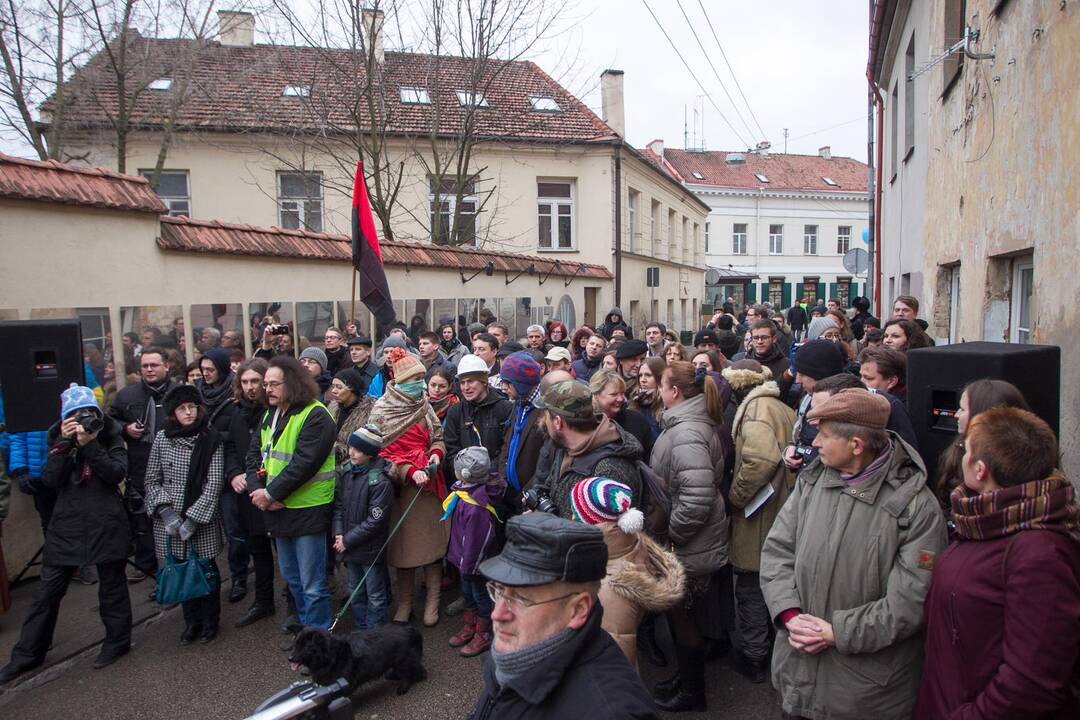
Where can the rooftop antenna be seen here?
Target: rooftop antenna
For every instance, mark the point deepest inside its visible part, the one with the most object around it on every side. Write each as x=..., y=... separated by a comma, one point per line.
x=701, y=99
x=785, y=140
x=685, y=129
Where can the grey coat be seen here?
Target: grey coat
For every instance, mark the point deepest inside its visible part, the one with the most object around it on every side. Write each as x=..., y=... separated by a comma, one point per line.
x=860, y=558
x=166, y=477
x=689, y=457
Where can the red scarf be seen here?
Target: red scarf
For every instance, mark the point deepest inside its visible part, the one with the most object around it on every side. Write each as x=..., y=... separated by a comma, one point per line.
x=1038, y=505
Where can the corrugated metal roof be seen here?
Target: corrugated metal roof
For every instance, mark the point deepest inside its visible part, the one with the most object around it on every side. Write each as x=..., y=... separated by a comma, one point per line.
x=185, y=234
x=52, y=181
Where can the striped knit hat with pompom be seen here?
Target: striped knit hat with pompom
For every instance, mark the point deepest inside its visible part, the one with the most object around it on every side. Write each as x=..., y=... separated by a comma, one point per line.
x=596, y=499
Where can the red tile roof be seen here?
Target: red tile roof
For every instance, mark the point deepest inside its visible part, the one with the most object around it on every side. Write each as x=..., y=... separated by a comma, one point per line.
x=803, y=173
x=240, y=89
x=55, y=182
x=185, y=234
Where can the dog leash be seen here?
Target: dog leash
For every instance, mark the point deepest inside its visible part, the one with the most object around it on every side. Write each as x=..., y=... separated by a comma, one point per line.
x=352, y=596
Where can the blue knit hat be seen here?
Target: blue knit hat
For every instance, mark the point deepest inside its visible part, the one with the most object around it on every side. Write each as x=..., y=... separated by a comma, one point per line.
x=522, y=372
x=77, y=397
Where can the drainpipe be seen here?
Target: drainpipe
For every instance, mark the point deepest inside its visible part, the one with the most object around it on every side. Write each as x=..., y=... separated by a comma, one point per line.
x=875, y=212
x=618, y=225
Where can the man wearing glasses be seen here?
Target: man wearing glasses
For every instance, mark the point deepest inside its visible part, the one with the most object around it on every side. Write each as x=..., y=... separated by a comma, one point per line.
x=550, y=657
x=766, y=350
x=138, y=407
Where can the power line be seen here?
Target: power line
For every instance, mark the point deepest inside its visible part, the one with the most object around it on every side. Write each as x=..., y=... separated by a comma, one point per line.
x=732, y=71
x=709, y=60
x=831, y=127
x=689, y=70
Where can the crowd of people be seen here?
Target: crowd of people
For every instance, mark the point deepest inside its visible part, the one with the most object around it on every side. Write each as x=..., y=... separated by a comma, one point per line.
x=759, y=491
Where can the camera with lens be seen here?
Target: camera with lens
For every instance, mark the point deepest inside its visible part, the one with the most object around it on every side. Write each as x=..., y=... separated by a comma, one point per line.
x=279, y=329
x=537, y=500
x=806, y=452
x=90, y=421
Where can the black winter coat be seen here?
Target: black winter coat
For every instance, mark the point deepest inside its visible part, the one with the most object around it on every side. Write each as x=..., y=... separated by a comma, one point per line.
x=314, y=443
x=244, y=423
x=362, y=500
x=130, y=406
x=369, y=370
x=616, y=460
x=634, y=422
x=483, y=423
x=588, y=677
x=89, y=523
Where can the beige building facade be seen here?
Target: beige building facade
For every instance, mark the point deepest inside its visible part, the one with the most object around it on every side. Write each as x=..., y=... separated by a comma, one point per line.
x=990, y=217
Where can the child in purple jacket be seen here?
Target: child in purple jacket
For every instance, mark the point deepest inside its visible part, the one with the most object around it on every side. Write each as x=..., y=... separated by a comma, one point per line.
x=474, y=533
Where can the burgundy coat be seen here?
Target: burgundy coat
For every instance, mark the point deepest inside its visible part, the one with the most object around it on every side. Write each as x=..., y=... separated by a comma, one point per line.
x=1003, y=630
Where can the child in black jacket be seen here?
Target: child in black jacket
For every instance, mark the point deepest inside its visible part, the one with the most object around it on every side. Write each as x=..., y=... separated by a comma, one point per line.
x=361, y=525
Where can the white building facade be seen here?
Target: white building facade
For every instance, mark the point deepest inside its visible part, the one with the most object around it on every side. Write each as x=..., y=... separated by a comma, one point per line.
x=784, y=222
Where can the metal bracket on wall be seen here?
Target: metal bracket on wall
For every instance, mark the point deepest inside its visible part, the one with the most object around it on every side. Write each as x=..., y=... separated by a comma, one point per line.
x=971, y=36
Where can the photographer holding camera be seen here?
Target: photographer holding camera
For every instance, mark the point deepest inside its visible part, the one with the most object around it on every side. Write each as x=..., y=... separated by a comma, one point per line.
x=89, y=526
x=815, y=360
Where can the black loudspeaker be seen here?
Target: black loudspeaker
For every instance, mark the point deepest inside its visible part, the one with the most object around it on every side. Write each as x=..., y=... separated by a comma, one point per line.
x=39, y=359
x=936, y=377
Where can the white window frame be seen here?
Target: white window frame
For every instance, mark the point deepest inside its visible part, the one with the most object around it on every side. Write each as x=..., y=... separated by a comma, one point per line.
x=843, y=240
x=177, y=204
x=544, y=103
x=451, y=201
x=304, y=207
x=468, y=98
x=160, y=85
x=301, y=91
x=708, y=228
x=738, y=239
x=411, y=95
x=632, y=199
x=1018, y=300
x=776, y=240
x=810, y=240
x=555, y=204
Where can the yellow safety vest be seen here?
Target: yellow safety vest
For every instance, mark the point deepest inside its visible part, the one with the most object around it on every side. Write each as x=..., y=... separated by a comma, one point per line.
x=319, y=489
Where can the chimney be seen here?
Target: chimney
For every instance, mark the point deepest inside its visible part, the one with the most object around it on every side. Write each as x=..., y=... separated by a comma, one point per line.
x=825, y=153
x=657, y=148
x=373, y=33
x=236, y=29
x=611, y=97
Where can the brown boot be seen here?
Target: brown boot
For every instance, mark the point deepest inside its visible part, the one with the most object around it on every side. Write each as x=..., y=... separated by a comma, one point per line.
x=433, y=580
x=467, y=631
x=405, y=580
x=481, y=641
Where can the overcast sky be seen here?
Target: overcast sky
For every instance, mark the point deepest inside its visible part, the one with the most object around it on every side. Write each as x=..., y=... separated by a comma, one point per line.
x=800, y=63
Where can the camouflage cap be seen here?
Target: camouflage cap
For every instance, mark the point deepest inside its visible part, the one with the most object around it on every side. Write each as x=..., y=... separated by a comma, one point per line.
x=569, y=399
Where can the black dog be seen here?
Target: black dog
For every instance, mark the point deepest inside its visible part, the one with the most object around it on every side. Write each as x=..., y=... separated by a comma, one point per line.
x=391, y=651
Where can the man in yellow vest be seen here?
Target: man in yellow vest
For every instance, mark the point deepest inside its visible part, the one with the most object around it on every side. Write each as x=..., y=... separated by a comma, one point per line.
x=290, y=477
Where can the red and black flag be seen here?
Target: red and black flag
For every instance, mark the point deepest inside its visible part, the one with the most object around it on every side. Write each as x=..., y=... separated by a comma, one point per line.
x=367, y=257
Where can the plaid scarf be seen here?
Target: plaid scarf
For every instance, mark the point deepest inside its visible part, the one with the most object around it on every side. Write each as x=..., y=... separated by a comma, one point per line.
x=1045, y=504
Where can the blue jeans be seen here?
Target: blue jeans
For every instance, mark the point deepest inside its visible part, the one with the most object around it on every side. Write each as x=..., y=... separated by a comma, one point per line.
x=474, y=590
x=370, y=606
x=303, y=565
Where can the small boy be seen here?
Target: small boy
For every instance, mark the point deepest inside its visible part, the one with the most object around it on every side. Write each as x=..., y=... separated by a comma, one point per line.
x=361, y=524
x=474, y=537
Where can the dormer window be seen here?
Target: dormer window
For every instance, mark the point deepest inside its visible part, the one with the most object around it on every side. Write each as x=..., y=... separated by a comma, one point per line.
x=415, y=96
x=697, y=175
x=544, y=104
x=296, y=91
x=761, y=178
x=829, y=181
x=161, y=84
x=467, y=98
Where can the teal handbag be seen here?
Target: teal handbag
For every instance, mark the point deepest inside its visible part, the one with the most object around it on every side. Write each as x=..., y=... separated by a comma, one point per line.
x=178, y=582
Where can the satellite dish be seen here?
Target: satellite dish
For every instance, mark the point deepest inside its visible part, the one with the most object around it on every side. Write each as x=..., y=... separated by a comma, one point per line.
x=856, y=261
x=712, y=276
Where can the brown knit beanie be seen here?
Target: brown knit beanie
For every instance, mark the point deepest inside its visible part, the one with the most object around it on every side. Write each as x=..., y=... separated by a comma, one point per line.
x=855, y=406
x=406, y=366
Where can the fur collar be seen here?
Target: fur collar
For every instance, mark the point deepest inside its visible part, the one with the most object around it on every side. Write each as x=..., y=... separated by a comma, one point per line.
x=745, y=378
x=767, y=389
x=655, y=588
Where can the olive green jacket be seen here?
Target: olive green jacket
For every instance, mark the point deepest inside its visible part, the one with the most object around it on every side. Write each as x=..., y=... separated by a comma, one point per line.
x=859, y=557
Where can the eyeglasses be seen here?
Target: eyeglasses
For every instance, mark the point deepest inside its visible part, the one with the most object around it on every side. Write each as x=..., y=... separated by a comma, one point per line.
x=761, y=338
x=272, y=384
x=516, y=603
